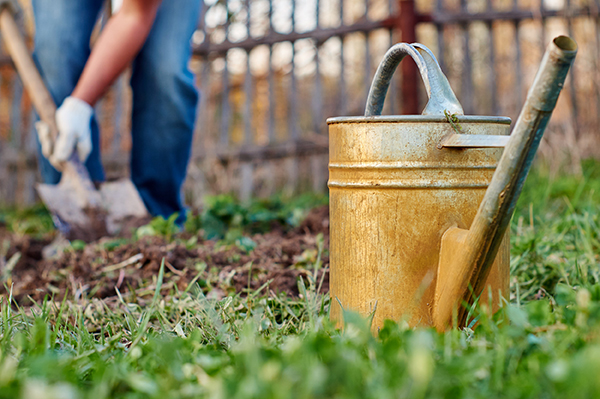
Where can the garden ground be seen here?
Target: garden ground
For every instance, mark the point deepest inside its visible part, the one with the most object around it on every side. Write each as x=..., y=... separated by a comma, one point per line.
x=234, y=307
x=276, y=258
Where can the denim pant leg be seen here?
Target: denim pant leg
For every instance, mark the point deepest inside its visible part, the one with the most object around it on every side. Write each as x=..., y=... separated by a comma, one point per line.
x=62, y=46
x=164, y=108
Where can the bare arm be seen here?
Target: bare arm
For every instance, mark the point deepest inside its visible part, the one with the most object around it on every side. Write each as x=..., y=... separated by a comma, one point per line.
x=120, y=41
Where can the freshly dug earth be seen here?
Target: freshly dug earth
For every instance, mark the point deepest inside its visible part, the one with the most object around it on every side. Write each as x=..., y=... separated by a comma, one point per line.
x=100, y=268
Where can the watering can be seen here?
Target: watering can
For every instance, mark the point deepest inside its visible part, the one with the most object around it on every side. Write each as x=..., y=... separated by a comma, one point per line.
x=420, y=204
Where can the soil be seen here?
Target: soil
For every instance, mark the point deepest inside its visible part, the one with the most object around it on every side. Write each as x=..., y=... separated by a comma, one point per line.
x=94, y=231
x=101, y=268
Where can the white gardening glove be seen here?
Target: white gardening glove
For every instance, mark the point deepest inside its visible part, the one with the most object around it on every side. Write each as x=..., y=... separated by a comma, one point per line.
x=74, y=124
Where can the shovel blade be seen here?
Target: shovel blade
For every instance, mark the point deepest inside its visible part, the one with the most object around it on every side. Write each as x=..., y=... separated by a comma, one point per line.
x=122, y=203
x=118, y=204
x=61, y=201
x=78, y=220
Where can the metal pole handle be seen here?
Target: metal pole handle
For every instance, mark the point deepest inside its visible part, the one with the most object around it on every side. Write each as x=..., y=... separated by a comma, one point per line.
x=471, y=265
x=441, y=96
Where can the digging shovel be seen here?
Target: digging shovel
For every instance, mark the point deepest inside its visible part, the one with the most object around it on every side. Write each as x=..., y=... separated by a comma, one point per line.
x=85, y=212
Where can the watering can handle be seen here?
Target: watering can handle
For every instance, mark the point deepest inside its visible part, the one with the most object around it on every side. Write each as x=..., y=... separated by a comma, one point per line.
x=441, y=96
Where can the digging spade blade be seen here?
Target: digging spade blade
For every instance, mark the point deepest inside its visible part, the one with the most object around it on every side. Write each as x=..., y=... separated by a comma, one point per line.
x=122, y=203
x=76, y=202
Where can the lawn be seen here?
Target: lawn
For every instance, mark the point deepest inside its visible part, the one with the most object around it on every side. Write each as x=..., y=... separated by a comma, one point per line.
x=223, y=326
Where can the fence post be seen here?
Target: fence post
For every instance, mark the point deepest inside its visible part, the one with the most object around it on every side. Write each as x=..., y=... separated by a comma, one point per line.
x=407, y=23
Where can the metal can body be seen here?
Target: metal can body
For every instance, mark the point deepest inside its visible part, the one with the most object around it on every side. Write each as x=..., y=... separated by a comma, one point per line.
x=393, y=194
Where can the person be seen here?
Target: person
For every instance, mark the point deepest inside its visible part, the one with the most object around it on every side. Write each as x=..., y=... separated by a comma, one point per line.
x=155, y=37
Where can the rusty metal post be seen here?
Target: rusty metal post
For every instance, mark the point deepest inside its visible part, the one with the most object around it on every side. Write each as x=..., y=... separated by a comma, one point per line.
x=467, y=255
x=407, y=23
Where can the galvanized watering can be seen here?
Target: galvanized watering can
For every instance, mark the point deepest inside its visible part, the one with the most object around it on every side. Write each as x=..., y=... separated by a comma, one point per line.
x=420, y=204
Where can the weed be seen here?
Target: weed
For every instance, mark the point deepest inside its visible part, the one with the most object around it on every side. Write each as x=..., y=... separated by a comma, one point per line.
x=453, y=121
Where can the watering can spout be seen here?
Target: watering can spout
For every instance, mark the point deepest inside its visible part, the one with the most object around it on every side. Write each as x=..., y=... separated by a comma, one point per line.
x=466, y=256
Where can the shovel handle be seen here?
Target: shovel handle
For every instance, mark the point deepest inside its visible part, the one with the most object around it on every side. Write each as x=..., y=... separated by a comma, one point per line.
x=441, y=97
x=32, y=80
x=471, y=266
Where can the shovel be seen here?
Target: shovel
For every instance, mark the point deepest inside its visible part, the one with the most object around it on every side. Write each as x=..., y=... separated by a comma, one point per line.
x=79, y=209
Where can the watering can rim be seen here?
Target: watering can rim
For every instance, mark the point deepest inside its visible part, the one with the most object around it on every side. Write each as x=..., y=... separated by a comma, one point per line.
x=503, y=120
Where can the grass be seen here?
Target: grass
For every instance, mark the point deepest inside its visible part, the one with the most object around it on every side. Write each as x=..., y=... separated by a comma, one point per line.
x=188, y=346
x=34, y=221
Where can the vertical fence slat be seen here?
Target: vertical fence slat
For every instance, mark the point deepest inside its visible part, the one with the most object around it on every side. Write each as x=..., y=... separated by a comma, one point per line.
x=467, y=73
x=543, y=25
x=317, y=100
x=248, y=36
x=270, y=16
x=117, y=119
x=342, y=80
x=518, y=71
x=248, y=99
x=367, y=76
x=439, y=8
x=572, y=78
x=492, y=81
x=317, y=95
x=247, y=168
x=393, y=90
x=271, y=116
x=293, y=98
x=292, y=163
x=270, y=171
x=492, y=78
x=225, y=109
x=31, y=139
x=30, y=149
x=409, y=77
x=204, y=102
x=248, y=83
x=271, y=81
x=246, y=183
x=15, y=112
x=293, y=16
x=317, y=169
x=13, y=170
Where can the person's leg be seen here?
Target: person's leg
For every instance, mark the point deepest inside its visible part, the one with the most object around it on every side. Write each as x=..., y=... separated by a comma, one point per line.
x=164, y=108
x=61, y=48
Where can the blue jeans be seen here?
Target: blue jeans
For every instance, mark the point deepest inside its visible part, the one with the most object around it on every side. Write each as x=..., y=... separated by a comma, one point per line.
x=164, y=95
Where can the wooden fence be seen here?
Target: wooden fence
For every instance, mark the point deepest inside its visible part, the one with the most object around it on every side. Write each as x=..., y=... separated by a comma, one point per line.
x=271, y=71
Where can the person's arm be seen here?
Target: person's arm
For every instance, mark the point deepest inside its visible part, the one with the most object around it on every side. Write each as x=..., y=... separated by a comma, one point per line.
x=120, y=41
